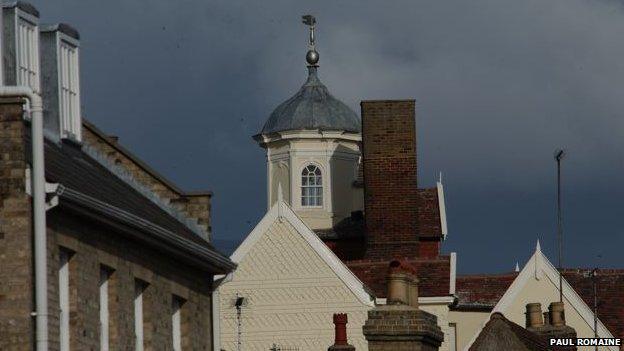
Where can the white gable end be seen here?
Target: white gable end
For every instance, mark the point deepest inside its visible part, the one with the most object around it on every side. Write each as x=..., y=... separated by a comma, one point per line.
x=292, y=284
x=539, y=282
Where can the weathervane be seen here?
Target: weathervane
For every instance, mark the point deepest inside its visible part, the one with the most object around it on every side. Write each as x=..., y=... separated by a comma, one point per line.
x=312, y=56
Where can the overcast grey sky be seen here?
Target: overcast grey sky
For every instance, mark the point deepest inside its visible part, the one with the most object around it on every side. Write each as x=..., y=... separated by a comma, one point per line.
x=499, y=85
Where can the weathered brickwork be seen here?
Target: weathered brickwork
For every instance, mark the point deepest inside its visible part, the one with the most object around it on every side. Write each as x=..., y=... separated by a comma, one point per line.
x=127, y=260
x=16, y=329
x=194, y=205
x=91, y=246
x=391, y=191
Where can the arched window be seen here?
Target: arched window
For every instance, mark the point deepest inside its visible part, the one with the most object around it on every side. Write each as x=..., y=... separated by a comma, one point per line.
x=311, y=186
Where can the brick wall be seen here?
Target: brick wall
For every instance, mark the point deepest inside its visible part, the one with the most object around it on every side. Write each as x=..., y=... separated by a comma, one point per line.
x=194, y=205
x=16, y=329
x=391, y=192
x=128, y=260
x=91, y=245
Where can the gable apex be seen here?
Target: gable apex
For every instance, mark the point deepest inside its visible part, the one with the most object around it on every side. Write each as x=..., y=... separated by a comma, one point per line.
x=282, y=212
x=539, y=267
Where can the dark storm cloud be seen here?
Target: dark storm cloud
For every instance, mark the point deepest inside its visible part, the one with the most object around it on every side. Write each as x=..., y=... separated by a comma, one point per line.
x=499, y=85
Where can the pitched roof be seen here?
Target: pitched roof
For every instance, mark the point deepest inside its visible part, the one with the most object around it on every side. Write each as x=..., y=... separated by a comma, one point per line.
x=502, y=334
x=92, y=188
x=576, y=290
x=431, y=218
x=434, y=275
x=610, y=293
x=281, y=211
x=483, y=291
x=112, y=142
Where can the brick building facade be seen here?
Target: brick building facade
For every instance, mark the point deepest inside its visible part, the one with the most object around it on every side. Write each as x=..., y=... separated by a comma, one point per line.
x=129, y=262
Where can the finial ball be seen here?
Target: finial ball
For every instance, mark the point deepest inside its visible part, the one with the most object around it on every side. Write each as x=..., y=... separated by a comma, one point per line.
x=312, y=57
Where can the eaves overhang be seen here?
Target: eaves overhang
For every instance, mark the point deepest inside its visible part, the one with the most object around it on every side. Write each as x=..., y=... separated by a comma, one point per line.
x=200, y=256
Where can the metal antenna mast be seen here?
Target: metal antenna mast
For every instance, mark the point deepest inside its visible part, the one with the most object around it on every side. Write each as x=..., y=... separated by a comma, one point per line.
x=559, y=154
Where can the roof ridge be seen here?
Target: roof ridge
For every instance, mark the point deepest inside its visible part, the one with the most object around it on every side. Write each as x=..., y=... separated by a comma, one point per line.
x=129, y=179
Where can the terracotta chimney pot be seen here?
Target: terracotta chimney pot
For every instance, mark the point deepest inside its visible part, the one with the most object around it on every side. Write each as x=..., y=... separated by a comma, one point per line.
x=340, y=324
x=557, y=317
x=534, y=315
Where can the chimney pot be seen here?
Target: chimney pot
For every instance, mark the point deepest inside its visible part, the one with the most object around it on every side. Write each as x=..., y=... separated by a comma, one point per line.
x=413, y=291
x=340, y=341
x=546, y=318
x=534, y=315
x=398, y=284
x=557, y=314
x=340, y=324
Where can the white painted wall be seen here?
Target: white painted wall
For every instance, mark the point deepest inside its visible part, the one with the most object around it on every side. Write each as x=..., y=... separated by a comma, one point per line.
x=291, y=293
x=335, y=153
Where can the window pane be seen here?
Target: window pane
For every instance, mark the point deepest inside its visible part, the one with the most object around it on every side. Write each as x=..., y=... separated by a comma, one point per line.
x=311, y=186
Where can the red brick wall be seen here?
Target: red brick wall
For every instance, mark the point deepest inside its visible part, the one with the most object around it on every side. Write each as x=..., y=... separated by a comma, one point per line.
x=391, y=192
x=16, y=329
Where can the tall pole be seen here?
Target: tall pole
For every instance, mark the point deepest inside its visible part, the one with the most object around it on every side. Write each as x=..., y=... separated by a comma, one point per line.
x=595, y=283
x=238, y=328
x=558, y=157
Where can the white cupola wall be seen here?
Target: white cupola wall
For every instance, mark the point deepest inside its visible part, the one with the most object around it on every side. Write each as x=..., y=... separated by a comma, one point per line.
x=316, y=170
x=312, y=141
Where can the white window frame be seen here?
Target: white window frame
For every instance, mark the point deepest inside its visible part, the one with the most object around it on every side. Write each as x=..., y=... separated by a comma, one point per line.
x=105, y=275
x=63, y=276
x=27, y=67
x=139, y=290
x=176, y=322
x=315, y=186
x=68, y=60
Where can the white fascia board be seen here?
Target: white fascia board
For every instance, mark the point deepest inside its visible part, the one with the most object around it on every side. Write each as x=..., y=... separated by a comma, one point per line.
x=441, y=204
x=539, y=266
x=280, y=210
x=453, y=273
x=426, y=300
x=344, y=273
x=310, y=134
x=260, y=228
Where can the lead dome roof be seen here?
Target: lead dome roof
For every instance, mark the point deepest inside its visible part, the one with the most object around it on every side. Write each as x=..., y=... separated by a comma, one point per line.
x=312, y=107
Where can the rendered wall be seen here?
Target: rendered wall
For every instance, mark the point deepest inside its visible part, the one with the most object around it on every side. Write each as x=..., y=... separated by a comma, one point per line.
x=468, y=324
x=442, y=312
x=292, y=294
x=338, y=160
x=546, y=291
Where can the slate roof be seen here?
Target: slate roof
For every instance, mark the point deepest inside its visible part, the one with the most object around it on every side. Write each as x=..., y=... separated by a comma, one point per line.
x=312, y=107
x=87, y=181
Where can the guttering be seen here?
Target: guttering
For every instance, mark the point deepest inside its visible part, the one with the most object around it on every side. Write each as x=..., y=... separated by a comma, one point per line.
x=35, y=110
x=188, y=250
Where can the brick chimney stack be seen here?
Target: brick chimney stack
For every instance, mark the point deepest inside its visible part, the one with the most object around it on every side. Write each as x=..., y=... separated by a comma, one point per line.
x=390, y=179
x=400, y=324
x=340, y=341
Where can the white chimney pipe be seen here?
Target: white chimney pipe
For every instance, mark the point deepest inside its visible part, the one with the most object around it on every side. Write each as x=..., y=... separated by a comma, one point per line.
x=39, y=211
